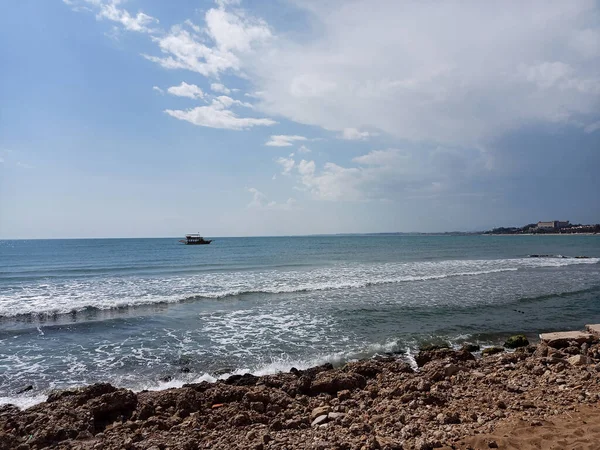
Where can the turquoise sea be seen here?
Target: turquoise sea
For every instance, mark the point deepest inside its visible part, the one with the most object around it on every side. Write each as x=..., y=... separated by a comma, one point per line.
x=153, y=313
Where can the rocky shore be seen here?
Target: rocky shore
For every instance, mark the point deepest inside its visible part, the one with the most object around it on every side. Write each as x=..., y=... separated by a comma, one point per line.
x=456, y=399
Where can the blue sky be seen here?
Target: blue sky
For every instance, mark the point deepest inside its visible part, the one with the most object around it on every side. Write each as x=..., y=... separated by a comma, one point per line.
x=151, y=118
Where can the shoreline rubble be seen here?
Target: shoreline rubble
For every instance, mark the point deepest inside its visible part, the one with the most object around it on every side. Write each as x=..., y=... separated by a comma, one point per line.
x=451, y=401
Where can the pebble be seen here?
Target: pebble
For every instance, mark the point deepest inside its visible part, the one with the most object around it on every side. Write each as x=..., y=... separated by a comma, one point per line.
x=319, y=420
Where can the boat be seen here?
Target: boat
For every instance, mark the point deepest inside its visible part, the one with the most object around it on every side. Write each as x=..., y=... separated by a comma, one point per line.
x=195, y=239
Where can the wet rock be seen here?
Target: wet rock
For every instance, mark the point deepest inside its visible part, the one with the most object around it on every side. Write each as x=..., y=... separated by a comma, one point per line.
x=516, y=341
x=425, y=356
x=470, y=348
x=491, y=351
x=242, y=380
x=25, y=389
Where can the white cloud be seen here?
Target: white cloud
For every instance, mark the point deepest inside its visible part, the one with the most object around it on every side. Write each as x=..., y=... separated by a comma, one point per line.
x=391, y=173
x=260, y=201
x=157, y=89
x=352, y=134
x=186, y=90
x=220, y=88
x=401, y=68
x=407, y=70
x=217, y=115
x=283, y=140
x=230, y=36
x=228, y=101
x=287, y=164
x=303, y=149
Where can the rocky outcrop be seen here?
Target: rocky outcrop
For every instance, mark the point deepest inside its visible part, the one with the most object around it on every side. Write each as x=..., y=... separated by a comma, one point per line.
x=516, y=341
x=375, y=404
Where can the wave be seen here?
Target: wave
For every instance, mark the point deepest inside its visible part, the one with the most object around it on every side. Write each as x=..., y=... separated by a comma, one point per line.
x=50, y=298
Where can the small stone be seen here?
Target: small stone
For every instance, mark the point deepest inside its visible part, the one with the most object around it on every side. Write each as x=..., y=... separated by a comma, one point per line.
x=578, y=360
x=450, y=369
x=492, y=444
x=335, y=415
x=319, y=420
x=536, y=423
x=501, y=405
x=321, y=410
x=251, y=435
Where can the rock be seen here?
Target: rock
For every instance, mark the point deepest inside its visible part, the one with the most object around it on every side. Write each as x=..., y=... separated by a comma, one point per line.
x=335, y=415
x=470, y=348
x=564, y=338
x=425, y=356
x=492, y=444
x=431, y=347
x=242, y=380
x=319, y=420
x=491, y=351
x=332, y=382
x=25, y=389
x=516, y=341
x=319, y=412
x=450, y=369
x=578, y=360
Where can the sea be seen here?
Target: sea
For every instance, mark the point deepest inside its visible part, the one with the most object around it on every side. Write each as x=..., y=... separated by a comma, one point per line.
x=154, y=313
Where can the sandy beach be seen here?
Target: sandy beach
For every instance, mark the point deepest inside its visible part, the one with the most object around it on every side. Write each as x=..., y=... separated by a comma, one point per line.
x=534, y=397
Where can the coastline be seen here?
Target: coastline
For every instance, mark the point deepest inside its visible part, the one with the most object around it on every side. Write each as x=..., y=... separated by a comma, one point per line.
x=453, y=400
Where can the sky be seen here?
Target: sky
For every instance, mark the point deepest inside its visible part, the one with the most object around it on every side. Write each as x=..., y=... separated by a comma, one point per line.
x=145, y=118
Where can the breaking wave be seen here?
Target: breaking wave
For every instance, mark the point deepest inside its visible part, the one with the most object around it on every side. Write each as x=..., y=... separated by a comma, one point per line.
x=49, y=297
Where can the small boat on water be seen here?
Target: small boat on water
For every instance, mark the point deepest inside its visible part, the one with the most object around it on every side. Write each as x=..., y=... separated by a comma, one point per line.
x=195, y=239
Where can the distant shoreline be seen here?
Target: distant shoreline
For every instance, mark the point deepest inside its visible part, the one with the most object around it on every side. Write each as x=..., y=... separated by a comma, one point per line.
x=540, y=234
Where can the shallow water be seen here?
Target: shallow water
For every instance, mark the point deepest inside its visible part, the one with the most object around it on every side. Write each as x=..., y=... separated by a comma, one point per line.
x=135, y=311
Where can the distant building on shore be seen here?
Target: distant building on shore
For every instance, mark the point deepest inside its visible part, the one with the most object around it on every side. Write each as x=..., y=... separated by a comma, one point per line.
x=553, y=225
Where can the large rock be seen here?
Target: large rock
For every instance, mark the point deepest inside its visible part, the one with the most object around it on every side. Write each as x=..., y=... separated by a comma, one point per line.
x=516, y=341
x=425, y=356
x=564, y=338
x=333, y=381
x=491, y=351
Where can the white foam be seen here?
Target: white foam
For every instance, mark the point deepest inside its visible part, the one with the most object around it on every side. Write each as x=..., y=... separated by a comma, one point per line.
x=62, y=297
x=23, y=402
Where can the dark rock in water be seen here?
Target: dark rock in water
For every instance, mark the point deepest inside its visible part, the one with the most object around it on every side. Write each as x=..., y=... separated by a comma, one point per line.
x=166, y=378
x=25, y=389
x=242, y=380
x=430, y=347
x=491, y=351
x=223, y=371
x=185, y=370
x=82, y=395
x=184, y=360
x=516, y=341
x=470, y=348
